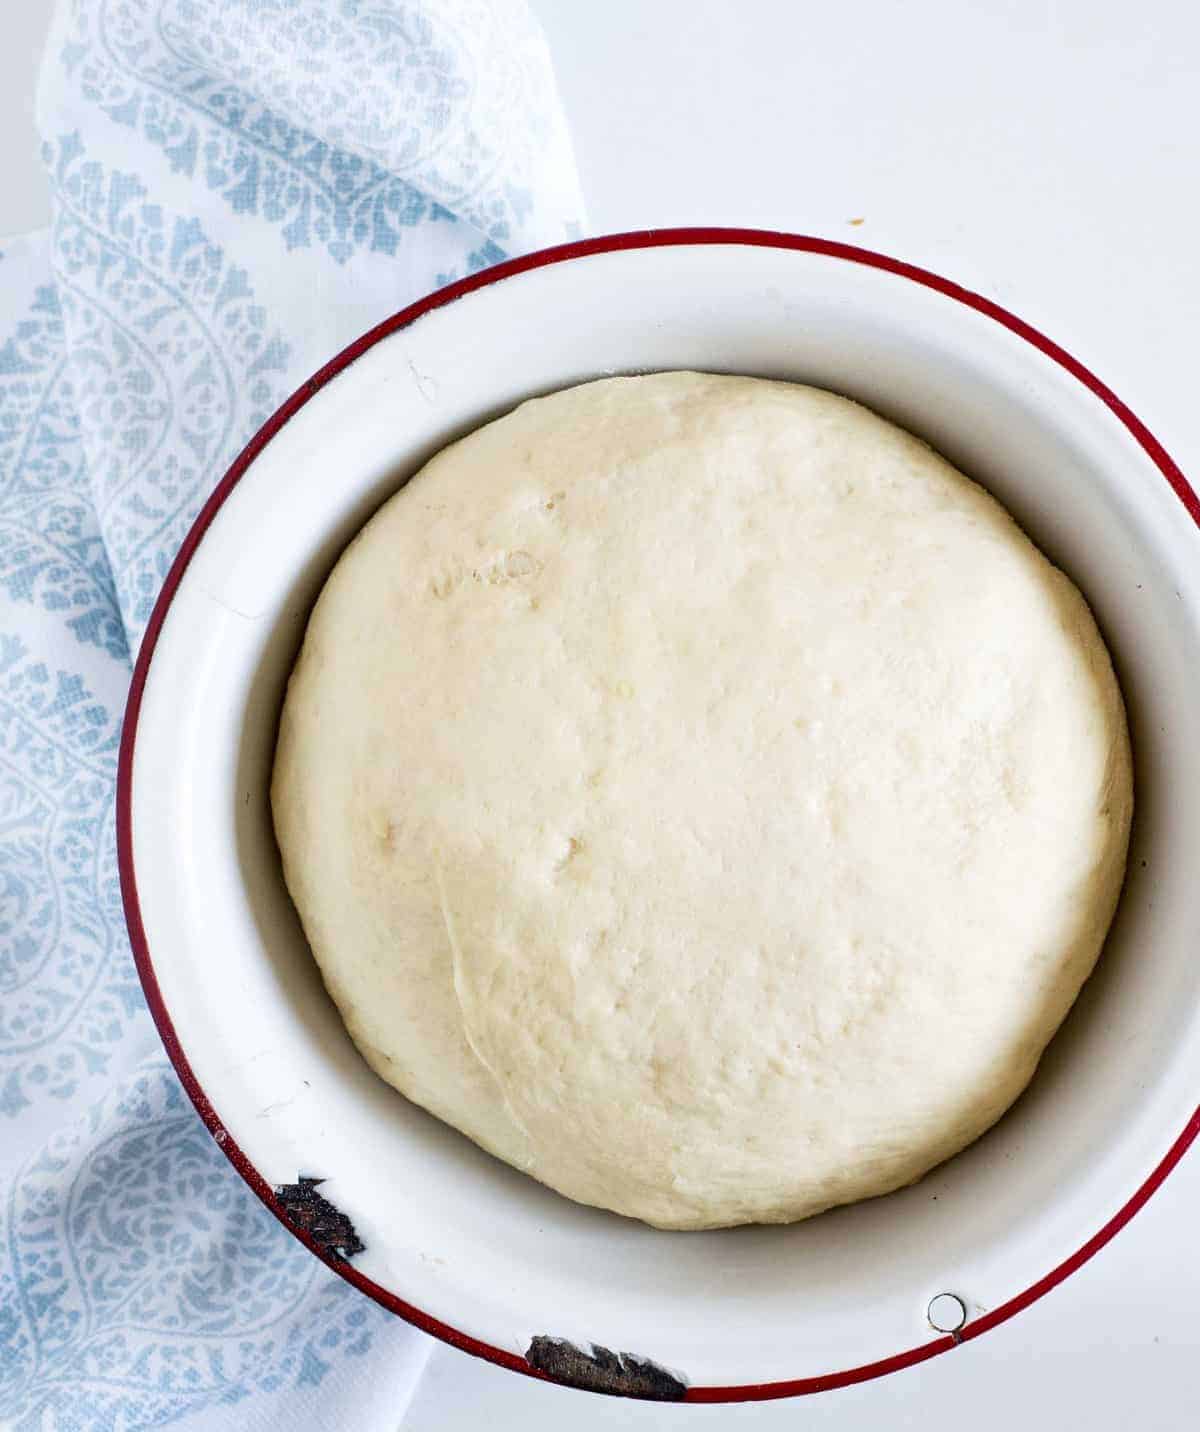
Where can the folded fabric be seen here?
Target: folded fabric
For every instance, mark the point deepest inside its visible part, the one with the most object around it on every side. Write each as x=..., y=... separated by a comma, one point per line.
x=239, y=188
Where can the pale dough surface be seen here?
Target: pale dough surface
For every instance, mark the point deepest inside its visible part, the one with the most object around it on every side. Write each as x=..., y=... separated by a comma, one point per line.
x=703, y=796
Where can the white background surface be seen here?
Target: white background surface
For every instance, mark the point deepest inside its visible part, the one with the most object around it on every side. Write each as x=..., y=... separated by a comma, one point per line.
x=1045, y=154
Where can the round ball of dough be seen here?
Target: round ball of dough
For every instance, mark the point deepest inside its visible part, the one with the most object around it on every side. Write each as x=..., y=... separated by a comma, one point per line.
x=703, y=796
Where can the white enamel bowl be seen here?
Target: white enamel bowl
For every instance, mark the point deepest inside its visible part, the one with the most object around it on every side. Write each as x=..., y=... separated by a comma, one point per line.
x=455, y=1241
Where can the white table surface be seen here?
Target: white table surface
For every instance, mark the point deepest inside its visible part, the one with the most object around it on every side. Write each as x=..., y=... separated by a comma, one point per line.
x=1046, y=154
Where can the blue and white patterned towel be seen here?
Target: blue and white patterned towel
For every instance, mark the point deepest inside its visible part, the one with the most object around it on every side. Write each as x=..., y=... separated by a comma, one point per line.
x=239, y=187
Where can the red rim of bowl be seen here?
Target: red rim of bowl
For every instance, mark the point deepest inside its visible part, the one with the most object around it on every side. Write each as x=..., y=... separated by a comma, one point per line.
x=651, y=238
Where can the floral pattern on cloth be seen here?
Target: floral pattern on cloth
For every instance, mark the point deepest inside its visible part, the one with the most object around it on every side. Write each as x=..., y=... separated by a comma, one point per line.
x=210, y=162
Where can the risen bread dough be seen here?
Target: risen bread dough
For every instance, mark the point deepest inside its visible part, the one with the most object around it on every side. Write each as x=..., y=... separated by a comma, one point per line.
x=702, y=796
